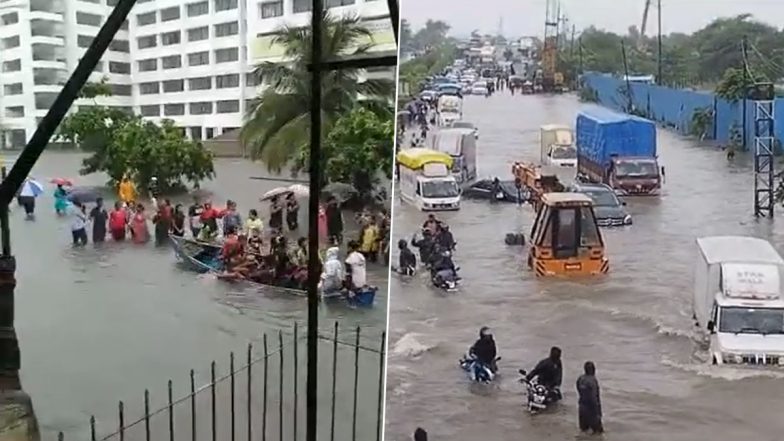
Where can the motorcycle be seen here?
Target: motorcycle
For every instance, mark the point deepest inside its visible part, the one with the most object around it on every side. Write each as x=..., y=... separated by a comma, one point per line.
x=407, y=271
x=477, y=371
x=448, y=280
x=539, y=397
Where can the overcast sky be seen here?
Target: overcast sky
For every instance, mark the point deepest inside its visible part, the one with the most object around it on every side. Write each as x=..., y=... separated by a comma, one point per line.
x=526, y=17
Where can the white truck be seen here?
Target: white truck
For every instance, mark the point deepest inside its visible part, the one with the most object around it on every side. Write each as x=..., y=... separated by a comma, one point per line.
x=450, y=109
x=557, y=146
x=460, y=144
x=737, y=300
x=426, y=181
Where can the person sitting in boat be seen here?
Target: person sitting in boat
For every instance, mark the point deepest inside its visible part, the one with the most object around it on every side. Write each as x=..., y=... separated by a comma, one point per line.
x=332, y=275
x=356, y=276
x=232, y=252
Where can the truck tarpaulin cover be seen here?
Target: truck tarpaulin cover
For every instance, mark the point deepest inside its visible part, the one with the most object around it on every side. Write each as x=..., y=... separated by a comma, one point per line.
x=602, y=133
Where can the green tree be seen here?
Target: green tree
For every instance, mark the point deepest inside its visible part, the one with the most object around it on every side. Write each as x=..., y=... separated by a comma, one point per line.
x=735, y=84
x=406, y=37
x=278, y=124
x=358, y=149
x=432, y=34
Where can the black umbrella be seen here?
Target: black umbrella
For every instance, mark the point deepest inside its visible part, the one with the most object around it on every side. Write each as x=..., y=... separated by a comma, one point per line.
x=83, y=195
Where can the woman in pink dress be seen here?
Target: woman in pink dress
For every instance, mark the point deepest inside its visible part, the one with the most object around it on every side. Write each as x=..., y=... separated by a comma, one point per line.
x=139, y=230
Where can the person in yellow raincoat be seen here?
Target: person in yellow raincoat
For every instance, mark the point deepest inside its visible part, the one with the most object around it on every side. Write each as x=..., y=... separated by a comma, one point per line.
x=127, y=191
x=369, y=240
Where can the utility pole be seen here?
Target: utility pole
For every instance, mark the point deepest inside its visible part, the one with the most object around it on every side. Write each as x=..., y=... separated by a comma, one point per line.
x=746, y=81
x=580, y=53
x=571, y=43
x=626, y=74
x=659, y=79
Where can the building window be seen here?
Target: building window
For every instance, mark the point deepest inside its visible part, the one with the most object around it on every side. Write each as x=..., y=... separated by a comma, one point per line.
x=197, y=9
x=119, y=68
x=303, y=6
x=120, y=46
x=210, y=133
x=97, y=2
x=337, y=3
x=142, y=1
x=84, y=40
x=198, y=58
x=269, y=9
x=146, y=19
x=12, y=66
x=13, y=89
x=196, y=132
x=147, y=41
x=172, y=62
x=120, y=89
x=124, y=25
x=198, y=34
x=11, y=42
x=252, y=79
x=170, y=14
x=150, y=110
x=227, y=81
x=204, y=108
x=148, y=65
x=14, y=112
x=98, y=66
x=170, y=38
x=227, y=55
x=202, y=83
x=112, y=2
x=226, y=29
x=149, y=88
x=174, y=109
x=225, y=5
x=172, y=86
x=9, y=19
x=86, y=19
x=228, y=106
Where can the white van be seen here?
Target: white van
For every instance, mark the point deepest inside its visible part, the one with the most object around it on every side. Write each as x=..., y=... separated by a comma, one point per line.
x=737, y=300
x=557, y=146
x=425, y=180
x=460, y=144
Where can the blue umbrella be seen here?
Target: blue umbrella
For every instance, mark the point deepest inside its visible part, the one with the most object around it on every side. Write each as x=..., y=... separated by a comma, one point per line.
x=31, y=188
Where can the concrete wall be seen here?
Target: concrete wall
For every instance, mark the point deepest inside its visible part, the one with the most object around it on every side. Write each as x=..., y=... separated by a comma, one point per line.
x=674, y=108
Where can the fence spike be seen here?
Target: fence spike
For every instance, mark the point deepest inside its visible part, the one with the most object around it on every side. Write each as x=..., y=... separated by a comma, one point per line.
x=356, y=386
x=146, y=414
x=334, y=380
x=170, y=393
x=193, y=405
x=212, y=400
x=232, y=396
x=249, y=393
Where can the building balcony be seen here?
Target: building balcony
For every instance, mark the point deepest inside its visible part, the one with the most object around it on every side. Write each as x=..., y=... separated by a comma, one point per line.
x=47, y=16
x=50, y=64
x=47, y=88
x=43, y=39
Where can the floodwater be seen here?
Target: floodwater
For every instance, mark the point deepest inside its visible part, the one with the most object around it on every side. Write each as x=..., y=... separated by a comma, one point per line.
x=101, y=324
x=635, y=324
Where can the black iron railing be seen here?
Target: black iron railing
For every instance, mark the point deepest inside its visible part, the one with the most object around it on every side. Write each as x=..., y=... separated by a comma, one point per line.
x=257, y=396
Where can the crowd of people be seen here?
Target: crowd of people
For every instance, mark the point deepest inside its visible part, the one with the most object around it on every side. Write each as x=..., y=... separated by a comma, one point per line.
x=245, y=248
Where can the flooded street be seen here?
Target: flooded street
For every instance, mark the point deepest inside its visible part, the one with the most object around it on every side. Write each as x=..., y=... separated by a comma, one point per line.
x=98, y=325
x=635, y=324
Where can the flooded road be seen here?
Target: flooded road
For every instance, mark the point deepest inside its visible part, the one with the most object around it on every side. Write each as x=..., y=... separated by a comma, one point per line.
x=98, y=325
x=635, y=324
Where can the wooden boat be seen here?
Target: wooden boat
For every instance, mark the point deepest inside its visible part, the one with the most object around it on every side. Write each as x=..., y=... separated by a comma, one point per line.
x=203, y=257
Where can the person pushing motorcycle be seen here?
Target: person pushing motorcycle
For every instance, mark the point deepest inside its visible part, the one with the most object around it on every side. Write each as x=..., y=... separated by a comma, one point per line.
x=549, y=373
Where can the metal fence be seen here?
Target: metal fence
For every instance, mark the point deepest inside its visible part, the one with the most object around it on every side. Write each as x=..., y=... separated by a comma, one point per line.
x=261, y=397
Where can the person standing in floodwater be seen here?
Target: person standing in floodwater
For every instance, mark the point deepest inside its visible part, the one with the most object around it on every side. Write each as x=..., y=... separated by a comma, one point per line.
x=590, y=403
x=79, y=225
x=194, y=216
x=162, y=221
x=139, y=231
x=98, y=216
x=292, y=212
x=118, y=221
x=420, y=434
x=178, y=222
x=334, y=221
x=276, y=214
x=60, y=200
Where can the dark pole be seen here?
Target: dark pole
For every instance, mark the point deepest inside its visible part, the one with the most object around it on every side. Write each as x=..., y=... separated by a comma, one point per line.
x=746, y=80
x=571, y=43
x=580, y=53
x=659, y=75
x=313, y=211
x=394, y=16
x=626, y=73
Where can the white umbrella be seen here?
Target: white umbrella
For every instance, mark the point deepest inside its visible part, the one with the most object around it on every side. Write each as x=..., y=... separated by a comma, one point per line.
x=275, y=192
x=299, y=190
x=31, y=188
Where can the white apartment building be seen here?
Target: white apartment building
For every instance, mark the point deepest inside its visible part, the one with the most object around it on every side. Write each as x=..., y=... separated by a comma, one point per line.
x=185, y=60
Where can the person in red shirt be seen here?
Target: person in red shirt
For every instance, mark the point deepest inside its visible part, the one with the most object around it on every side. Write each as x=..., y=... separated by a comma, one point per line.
x=232, y=250
x=209, y=218
x=118, y=220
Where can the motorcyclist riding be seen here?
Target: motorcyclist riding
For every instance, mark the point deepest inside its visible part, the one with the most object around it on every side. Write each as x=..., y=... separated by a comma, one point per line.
x=407, y=260
x=484, y=350
x=549, y=374
x=443, y=268
x=444, y=237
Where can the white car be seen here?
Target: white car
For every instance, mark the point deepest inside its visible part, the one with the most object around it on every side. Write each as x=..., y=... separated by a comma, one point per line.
x=479, y=88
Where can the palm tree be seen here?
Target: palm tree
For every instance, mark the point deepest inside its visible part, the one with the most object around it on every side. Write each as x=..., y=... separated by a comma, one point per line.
x=277, y=127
